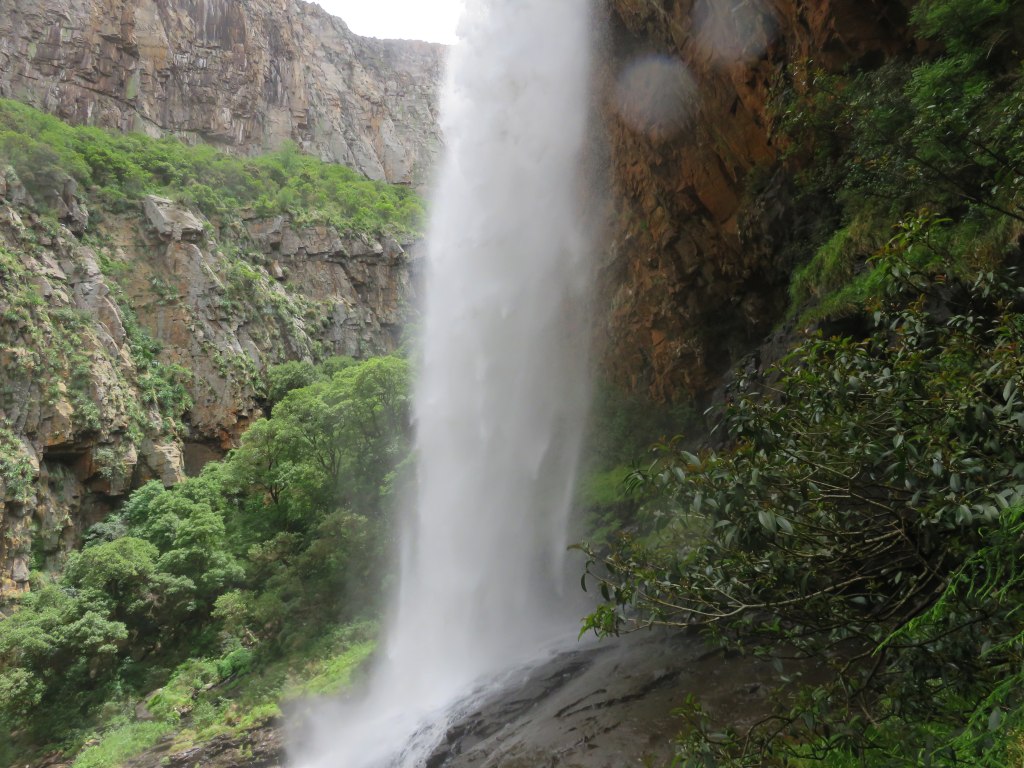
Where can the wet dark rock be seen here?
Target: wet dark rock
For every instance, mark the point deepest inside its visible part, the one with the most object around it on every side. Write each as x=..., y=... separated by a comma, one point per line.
x=605, y=706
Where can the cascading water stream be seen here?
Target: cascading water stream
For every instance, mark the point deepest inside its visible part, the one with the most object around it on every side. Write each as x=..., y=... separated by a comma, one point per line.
x=501, y=399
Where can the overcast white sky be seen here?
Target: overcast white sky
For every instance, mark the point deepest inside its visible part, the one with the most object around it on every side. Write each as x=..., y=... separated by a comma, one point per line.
x=433, y=20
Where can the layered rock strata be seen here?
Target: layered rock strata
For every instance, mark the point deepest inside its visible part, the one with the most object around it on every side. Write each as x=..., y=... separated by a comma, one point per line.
x=245, y=76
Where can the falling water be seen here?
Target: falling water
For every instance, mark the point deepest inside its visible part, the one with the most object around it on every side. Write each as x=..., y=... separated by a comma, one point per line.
x=502, y=391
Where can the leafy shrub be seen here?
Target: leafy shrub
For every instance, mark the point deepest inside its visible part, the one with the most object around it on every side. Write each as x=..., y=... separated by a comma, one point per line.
x=16, y=471
x=283, y=378
x=237, y=662
x=869, y=514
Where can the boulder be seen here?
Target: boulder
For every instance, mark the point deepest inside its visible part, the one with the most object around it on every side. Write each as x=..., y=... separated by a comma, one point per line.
x=172, y=221
x=165, y=461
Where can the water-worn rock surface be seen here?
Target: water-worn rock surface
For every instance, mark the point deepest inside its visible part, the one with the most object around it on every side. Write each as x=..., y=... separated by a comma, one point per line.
x=245, y=76
x=607, y=705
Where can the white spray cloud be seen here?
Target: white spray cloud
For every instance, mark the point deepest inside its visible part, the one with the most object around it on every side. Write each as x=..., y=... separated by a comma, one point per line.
x=656, y=95
x=733, y=31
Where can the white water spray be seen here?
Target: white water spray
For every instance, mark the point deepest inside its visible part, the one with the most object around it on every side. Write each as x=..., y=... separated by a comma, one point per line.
x=502, y=393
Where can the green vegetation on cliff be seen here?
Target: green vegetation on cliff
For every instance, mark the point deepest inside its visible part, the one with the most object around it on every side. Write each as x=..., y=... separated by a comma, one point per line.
x=116, y=170
x=130, y=326
x=939, y=133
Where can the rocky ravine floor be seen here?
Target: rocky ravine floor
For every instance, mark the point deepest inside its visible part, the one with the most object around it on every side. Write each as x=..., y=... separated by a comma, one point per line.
x=606, y=705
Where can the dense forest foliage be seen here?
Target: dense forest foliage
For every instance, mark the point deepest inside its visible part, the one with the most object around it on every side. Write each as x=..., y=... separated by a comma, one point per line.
x=861, y=521
x=252, y=581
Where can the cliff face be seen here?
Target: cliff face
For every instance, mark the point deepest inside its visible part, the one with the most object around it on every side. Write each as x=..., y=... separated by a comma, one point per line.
x=131, y=345
x=245, y=76
x=132, y=348
x=696, y=274
x=700, y=196
x=700, y=256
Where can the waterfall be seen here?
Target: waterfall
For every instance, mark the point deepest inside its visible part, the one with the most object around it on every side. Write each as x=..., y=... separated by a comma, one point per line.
x=502, y=389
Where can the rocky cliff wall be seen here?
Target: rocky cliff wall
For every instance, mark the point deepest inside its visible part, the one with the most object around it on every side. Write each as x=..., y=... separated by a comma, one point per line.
x=696, y=272
x=704, y=229
x=132, y=347
x=699, y=258
x=245, y=76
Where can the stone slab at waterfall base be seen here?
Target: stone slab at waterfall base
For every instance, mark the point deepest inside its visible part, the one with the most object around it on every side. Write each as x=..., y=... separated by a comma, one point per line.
x=607, y=705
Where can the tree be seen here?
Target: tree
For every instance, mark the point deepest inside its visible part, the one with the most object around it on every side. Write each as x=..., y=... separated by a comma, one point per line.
x=56, y=647
x=283, y=378
x=199, y=551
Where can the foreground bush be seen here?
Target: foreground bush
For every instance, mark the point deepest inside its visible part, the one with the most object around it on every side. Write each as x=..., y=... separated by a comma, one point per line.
x=869, y=516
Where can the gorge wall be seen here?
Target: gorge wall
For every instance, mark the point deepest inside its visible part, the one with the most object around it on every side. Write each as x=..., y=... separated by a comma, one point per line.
x=703, y=238
x=705, y=232
x=703, y=235
x=245, y=76
x=132, y=344
x=133, y=348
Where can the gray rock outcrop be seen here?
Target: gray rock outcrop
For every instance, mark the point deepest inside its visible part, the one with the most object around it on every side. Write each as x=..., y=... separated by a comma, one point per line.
x=245, y=76
x=607, y=705
x=85, y=416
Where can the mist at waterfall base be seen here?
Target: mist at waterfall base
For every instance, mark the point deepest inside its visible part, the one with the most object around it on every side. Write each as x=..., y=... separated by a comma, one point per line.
x=502, y=391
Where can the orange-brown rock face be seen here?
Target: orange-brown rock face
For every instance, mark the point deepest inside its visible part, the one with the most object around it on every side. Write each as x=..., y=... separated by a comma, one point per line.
x=697, y=274
x=245, y=76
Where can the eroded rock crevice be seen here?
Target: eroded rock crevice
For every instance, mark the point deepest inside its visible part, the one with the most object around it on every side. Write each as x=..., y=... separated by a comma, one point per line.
x=706, y=232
